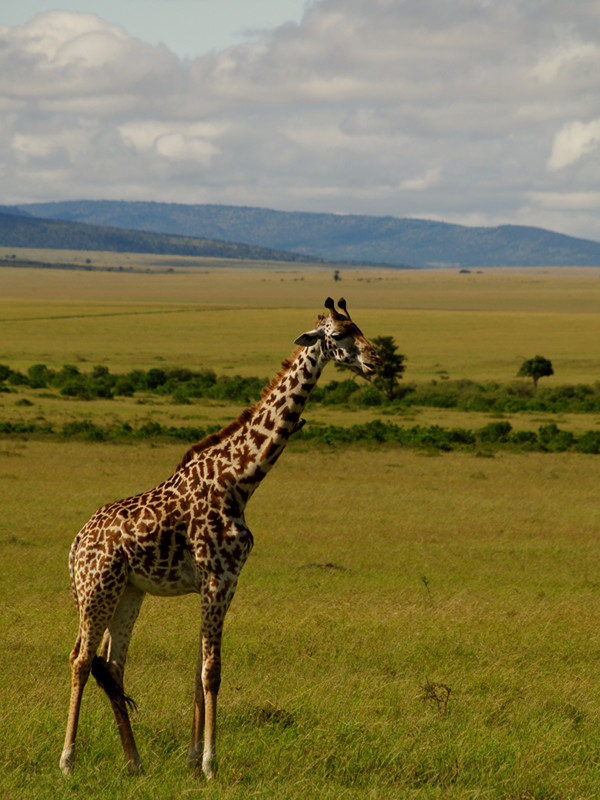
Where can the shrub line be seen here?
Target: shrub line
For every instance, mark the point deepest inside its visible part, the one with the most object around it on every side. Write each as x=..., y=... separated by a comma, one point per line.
x=184, y=385
x=496, y=435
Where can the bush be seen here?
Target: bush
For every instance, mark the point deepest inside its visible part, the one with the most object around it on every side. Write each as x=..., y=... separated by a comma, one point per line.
x=155, y=378
x=149, y=429
x=124, y=387
x=179, y=397
x=589, y=442
x=84, y=429
x=180, y=375
x=76, y=387
x=338, y=392
x=369, y=396
x=553, y=439
x=527, y=438
x=39, y=376
x=495, y=432
x=236, y=389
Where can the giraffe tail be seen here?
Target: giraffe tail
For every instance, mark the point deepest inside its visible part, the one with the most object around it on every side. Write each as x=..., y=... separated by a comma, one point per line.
x=108, y=684
x=72, y=555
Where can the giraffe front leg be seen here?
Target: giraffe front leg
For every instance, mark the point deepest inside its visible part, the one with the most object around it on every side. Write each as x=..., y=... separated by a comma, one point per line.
x=203, y=744
x=195, y=749
x=216, y=598
x=211, y=681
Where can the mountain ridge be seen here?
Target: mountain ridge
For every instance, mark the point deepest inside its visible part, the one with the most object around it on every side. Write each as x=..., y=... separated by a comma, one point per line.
x=393, y=241
x=25, y=230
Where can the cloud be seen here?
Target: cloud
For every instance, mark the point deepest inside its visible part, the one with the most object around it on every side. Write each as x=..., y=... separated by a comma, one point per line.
x=579, y=201
x=60, y=57
x=450, y=109
x=572, y=142
x=566, y=60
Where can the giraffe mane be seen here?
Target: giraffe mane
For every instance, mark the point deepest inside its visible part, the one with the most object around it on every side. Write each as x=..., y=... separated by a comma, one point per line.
x=266, y=391
x=216, y=438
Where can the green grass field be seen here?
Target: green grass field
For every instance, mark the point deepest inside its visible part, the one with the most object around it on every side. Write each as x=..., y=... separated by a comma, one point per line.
x=408, y=625
x=477, y=326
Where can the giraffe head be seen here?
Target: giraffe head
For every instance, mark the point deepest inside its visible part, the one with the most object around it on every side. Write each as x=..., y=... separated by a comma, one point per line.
x=341, y=340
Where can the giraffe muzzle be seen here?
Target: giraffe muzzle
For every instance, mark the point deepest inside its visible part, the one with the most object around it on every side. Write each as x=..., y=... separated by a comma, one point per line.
x=369, y=366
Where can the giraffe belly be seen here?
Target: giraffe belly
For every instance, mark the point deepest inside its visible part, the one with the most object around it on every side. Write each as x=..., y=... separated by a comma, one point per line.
x=166, y=580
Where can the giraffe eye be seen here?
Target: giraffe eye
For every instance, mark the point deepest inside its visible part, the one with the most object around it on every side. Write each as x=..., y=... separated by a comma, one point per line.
x=337, y=336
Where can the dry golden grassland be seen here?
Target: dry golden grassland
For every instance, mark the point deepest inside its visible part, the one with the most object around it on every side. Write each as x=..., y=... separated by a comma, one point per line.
x=408, y=626
x=478, y=326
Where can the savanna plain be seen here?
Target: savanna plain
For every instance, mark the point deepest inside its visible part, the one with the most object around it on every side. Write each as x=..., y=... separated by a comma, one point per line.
x=410, y=624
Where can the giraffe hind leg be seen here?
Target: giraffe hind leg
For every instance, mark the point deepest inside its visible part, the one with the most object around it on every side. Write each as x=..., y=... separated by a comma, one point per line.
x=79, y=676
x=108, y=669
x=81, y=663
x=109, y=614
x=120, y=703
x=109, y=684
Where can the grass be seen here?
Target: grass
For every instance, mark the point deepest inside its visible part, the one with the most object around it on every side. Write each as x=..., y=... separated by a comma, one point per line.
x=354, y=610
x=408, y=625
x=464, y=326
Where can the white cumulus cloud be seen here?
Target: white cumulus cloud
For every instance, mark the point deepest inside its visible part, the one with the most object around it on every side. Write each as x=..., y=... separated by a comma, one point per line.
x=573, y=141
x=448, y=109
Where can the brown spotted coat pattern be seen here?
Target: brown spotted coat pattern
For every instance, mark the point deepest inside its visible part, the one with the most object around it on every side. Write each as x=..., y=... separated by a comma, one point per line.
x=189, y=535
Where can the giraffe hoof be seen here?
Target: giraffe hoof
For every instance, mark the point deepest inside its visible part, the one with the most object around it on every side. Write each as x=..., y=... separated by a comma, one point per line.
x=194, y=761
x=209, y=768
x=136, y=767
x=67, y=762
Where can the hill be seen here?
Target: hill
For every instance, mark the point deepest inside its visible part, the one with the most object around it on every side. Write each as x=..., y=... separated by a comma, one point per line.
x=383, y=240
x=24, y=230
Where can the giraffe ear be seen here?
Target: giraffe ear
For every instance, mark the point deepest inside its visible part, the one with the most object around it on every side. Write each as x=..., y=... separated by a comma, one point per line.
x=309, y=338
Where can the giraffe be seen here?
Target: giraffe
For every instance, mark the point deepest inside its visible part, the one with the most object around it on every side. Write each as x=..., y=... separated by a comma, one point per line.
x=189, y=535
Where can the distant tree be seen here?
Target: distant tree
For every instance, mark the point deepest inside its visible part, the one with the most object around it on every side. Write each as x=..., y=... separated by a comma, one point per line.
x=390, y=372
x=536, y=368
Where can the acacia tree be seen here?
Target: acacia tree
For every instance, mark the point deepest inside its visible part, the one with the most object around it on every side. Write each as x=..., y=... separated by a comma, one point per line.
x=536, y=368
x=390, y=372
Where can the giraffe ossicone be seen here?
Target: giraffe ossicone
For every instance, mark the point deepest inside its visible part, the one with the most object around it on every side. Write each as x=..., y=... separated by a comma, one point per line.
x=189, y=535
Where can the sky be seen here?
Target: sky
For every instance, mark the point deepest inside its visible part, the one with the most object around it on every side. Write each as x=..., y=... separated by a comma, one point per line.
x=476, y=112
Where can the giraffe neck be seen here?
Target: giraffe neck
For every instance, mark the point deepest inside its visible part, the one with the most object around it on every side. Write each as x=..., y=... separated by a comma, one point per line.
x=240, y=455
x=277, y=416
